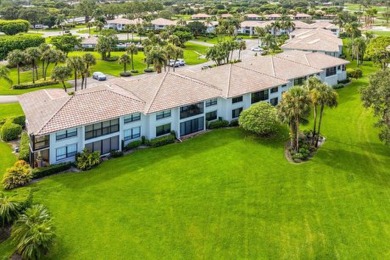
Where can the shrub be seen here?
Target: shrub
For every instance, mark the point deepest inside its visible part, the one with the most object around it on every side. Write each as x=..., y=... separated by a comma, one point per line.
x=113, y=58
x=35, y=85
x=338, y=86
x=149, y=70
x=260, y=118
x=10, y=131
x=116, y=154
x=50, y=170
x=218, y=124
x=354, y=73
x=21, y=42
x=24, y=147
x=233, y=123
x=163, y=140
x=125, y=74
x=18, y=175
x=12, y=27
x=132, y=145
x=86, y=160
x=19, y=120
x=345, y=81
x=134, y=71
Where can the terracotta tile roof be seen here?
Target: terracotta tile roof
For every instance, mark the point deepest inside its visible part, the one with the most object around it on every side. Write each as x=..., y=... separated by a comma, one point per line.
x=278, y=67
x=196, y=16
x=163, y=22
x=226, y=15
x=300, y=25
x=314, y=40
x=302, y=15
x=255, y=24
x=252, y=15
x=56, y=111
x=125, y=21
x=313, y=59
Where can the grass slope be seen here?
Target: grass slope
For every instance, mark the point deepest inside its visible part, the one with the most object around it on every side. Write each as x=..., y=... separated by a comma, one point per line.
x=10, y=110
x=226, y=194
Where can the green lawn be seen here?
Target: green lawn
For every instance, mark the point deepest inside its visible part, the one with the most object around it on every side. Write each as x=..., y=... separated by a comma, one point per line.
x=10, y=110
x=226, y=194
x=382, y=33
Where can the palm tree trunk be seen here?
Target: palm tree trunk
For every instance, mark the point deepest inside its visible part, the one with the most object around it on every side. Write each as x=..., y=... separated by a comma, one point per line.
x=63, y=84
x=292, y=138
x=43, y=70
x=132, y=61
x=75, y=80
x=315, y=123
x=319, y=124
x=297, y=133
x=85, y=81
x=33, y=72
x=47, y=66
x=82, y=80
x=18, y=74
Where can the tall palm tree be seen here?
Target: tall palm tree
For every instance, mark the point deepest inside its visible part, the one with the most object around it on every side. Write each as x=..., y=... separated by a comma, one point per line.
x=328, y=98
x=261, y=32
x=44, y=47
x=124, y=59
x=314, y=86
x=269, y=41
x=294, y=106
x=60, y=20
x=75, y=63
x=88, y=60
x=33, y=233
x=32, y=56
x=158, y=57
x=358, y=47
x=61, y=73
x=132, y=49
x=16, y=58
x=241, y=47
x=9, y=208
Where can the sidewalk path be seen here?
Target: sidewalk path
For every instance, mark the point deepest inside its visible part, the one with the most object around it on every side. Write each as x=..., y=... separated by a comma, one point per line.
x=8, y=99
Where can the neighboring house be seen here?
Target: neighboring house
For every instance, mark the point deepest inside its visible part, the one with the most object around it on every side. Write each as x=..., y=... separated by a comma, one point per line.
x=315, y=40
x=248, y=27
x=273, y=16
x=302, y=16
x=89, y=42
x=200, y=16
x=211, y=26
x=120, y=23
x=161, y=23
x=327, y=26
x=111, y=115
x=252, y=17
x=225, y=16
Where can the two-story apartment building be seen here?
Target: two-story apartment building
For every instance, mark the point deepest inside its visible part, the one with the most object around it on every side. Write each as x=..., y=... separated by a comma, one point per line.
x=111, y=115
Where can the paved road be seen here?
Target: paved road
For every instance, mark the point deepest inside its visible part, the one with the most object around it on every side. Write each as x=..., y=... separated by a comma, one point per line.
x=245, y=54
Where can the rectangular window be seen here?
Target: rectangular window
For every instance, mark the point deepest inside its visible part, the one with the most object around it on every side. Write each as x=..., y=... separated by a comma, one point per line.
x=283, y=86
x=132, y=133
x=163, y=129
x=236, y=112
x=132, y=118
x=237, y=99
x=330, y=71
x=191, y=110
x=100, y=129
x=343, y=68
x=66, y=152
x=259, y=96
x=211, y=116
x=192, y=126
x=41, y=142
x=211, y=102
x=274, y=90
x=274, y=101
x=299, y=81
x=66, y=134
x=104, y=146
x=163, y=114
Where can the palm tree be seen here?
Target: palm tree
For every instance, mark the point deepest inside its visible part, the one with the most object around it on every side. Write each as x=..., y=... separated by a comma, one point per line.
x=75, y=63
x=241, y=47
x=4, y=74
x=269, y=41
x=61, y=73
x=314, y=86
x=89, y=25
x=33, y=233
x=32, y=56
x=329, y=98
x=158, y=57
x=124, y=59
x=16, y=58
x=175, y=40
x=294, y=106
x=358, y=47
x=132, y=49
x=261, y=32
x=88, y=60
x=9, y=208
x=60, y=20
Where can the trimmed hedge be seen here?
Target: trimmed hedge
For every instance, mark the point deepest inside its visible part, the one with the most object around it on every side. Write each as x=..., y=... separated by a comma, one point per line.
x=338, y=86
x=218, y=124
x=50, y=170
x=12, y=27
x=132, y=145
x=24, y=147
x=19, y=120
x=21, y=42
x=354, y=73
x=10, y=131
x=163, y=140
x=35, y=85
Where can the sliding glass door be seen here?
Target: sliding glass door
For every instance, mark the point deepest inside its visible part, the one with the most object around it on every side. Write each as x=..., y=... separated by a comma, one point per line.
x=192, y=126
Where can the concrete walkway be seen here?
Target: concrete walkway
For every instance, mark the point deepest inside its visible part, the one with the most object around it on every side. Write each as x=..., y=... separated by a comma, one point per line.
x=207, y=44
x=8, y=99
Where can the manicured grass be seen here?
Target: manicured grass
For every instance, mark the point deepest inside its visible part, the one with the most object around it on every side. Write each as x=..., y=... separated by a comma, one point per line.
x=10, y=110
x=382, y=33
x=193, y=52
x=226, y=194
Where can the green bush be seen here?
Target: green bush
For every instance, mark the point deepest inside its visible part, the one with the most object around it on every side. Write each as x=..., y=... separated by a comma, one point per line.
x=19, y=120
x=150, y=70
x=24, y=147
x=12, y=27
x=218, y=124
x=35, y=85
x=125, y=74
x=132, y=145
x=354, y=73
x=113, y=58
x=21, y=42
x=86, y=160
x=345, y=81
x=50, y=170
x=338, y=86
x=18, y=175
x=163, y=140
x=261, y=119
x=116, y=154
x=10, y=131
x=233, y=123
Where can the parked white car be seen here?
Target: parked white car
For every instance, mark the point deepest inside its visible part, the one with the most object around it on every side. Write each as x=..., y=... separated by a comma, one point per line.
x=172, y=63
x=99, y=76
x=257, y=49
x=181, y=62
